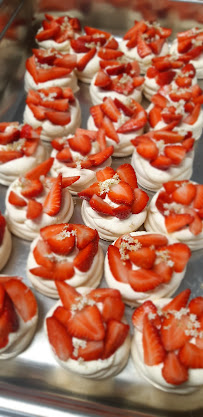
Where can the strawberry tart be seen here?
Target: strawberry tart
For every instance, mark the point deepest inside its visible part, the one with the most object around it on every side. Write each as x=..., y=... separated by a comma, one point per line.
x=81, y=155
x=177, y=210
x=87, y=331
x=5, y=242
x=167, y=346
x=144, y=41
x=36, y=200
x=161, y=156
x=114, y=205
x=49, y=68
x=55, y=110
x=166, y=70
x=56, y=32
x=20, y=150
x=180, y=107
x=120, y=122
x=90, y=49
x=117, y=79
x=145, y=266
x=65, y=252
x=189, y=44
x=18, y=316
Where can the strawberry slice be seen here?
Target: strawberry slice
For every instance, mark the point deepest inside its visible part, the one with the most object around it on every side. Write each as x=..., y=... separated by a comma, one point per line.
x=101, y=206
x=87, y=324
x=109, y=54
x=31, y=68
x=119, y=268
x=58, y=105
x=105, y=174
x=178, y=302
x=171, y=186
x=122, y=211
x=85, y=235
x=85, y=257
x=164, y=270
x=53, y=73
x=97, y=115
x=2, y=298
x=165, y=78
x=140, y=27
x=183, y=82
x=41, y=169
x=116, y=333
x=100, y=157
x=184, y=45
x=82, y=63
x=152, y=239
x=196, y=306
x=10, y=136
x=99, y=294
x=154, y=352
x=67, y=294
x=143, y=257
x=134, y=124
x=22, y=298
x=102, y=79
x=109, y=108
x=9, y=155
x=30, y=147
x=109, y=129
x=88, y=193
x=113, y=309
x=184, y=194
x=157, y=45
x=173, y=371
x=4, y=330
x=147, y=308
x=147, y=149
x=59, y=339
x=193, y=116
x=142, y=280
x=34, y=209
x=81, y=144
x=67, y=181
x=10, y=315
x=168, y=136
x=127, y=110
x=162, y=162
x=60, y=271
x=39, y=112
x=31, y=188
x=62, y=315
x=198, y=200
x=180, y=255
x=64, y=155
x=94, y=31
x=121, y=193
x=16, y=200
x=52, y=202
x=196, y=226
x=51, y=29
x=175, y=221
x=159, y=100
x=59, y=237
x=140, y=201
x=191, y=356
x=127, y=174
x=66, y=61
x=176, y=153
x=58, y=117
x=155, y=116
x=41, y=254
x=92, y=351
x=173, y=331
x=142, y=48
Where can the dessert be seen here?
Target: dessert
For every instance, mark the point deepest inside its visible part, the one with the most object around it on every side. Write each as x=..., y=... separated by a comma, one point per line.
x=177, y=210
x=81, y=155
x=145, y=266
x=5, y=242
x=20, y=150
x=166, y=70
x=114, y=205
x=18, y=316
x=144, y=41
x=167, y=348
x=87, y=331
x=189, y=44
x=36, y=200
x=65, y=252
x=120, y=122
x=54, y=109
x=57, y=32
x=49, y=68
x=117, y=79
x=180, y=107
x=162, y=155
x=90, y=48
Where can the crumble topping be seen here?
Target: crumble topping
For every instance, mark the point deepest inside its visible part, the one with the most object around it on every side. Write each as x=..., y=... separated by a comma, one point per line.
x=81, y=302
x=65, y=233
x=105, y=186
x=163, y=256
x=78, y=343
x=128, y=243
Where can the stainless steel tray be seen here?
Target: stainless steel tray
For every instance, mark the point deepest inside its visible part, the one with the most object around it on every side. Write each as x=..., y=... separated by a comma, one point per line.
x=33, y=384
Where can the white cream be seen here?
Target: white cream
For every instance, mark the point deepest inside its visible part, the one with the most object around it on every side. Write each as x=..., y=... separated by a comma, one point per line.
x=90, y=69
x=5, y=248
x=69, y=80
x=197, y=62
x=155, y=222
x=63, y=47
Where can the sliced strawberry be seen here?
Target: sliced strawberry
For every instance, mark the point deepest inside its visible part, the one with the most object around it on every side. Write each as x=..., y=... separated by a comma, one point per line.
x=85, y=257
x=52, y=73
x=4, y=330
x=41, y=254
x=127, y=110
x=91, y=351
x=109, y=54
x=196, y=226
x=100, y=157
x=196, y=306
x=184, y=46
x=142, y=48
x=87, y=324
x=22, y=298
x=101, y=206
x=178, y=302
x=155, y=116
x=173, y=371
x=67, y=294
x=52, y=202
x=142, y=280
x=105, y=174
x=147, y=308
x=67, y=181
x=51, y=29
x=152, y=239
x=193, y=116
x=94, y=31
x=79, y=46
x=121, y=193
x=9, y=155
x=168, y=136
x=180, y=255
x=127, y=174
x=162, y=162
x=109, y=108
x=157, y=45
x=88, y=193
x=39, y=112
x=82, y=63
x=10, y=136
x=138, y=27
x=122, y=211
x=191, y=356
x=64, y=155
x=165, y=32
x=185, y=194
x=84, y=234
x=176, y=153
x=147, y=149
x=165, y=78
x=59, y=237
x=119, y=268
x=31, y=188
x=62, y=315
x=173, y=332
x=39, y=170
x=58, y=117
x=140, y=201
x=164, y=270
x=102, y=79
x=176, y=221
x=143, y=257
x=10, y=314
x=113, y=308
x=16, y=200
x=151, y=72
x=81, y=144
x=31, y=68
x=154, y=352
x=97, y=115
x=60, y=271
x=34, y=209
x=198, y=200
x=2, y=298
x=66, y=61
x=134, y=124
x=30, y=146
x=171, y=186
x=99, y=294
x=109, y=129
x=58, y=105
x=116, y=333
x=59, y=339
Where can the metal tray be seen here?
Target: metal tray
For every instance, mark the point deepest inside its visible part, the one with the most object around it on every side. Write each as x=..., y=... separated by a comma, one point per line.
x=33, y=384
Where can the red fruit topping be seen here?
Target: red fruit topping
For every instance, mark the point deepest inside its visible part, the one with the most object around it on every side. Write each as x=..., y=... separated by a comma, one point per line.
x=105, y=174
x=67, y=294
x=191, y=356
x=59, y=237
x=176, y=153
x=142, y=280
x=39, y=170
x=109, y=129
x=140, y=201
x=173, y=332
x=97, y=115
x=116, y=333
x=85, y=257
x=127, y=174
x=87, y=324
x=113, y=308
x=178, y=302
x=119, y=268
x=196, y=306
x=41, y=254
x=62, y=315
x=101, y=206
x=176, y=222
x=81, y=144
x=164, y=270
x=184, y=194
x=145, y=309
x=102, y=79
x=147, y=149
x=6, y=156
x=59, y=339
x=31, y=188
x=154, y=352
x=100, y=157
x=58, y=117
x=34, y=209
x=143, y=257
x=109, y=108
x=180, y=255
x=198, y=200
x=173, y=371
x=162, y=162
x=85, y=59
x=142, y=48
x=22, y=298
x=52, y=202
x=154, y=239
x=92, y=351
x=121, y=193
x=16, y=200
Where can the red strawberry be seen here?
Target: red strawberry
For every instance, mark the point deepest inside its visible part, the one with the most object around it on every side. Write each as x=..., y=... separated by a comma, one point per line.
x=191, y=356
x=142, y=48
x=9, y=155
x=102, y=79
x=101, y=206
x=52, y=202
x=9, y=136
x=4, y=330
x=34, y=209
x=168, y=136
x=147, y=308
x=142, y=280
x=180, y=255
x=22, y=298
x=31, y=68
x=109, y=108
x=51, y=29
x=122, y=211
x=140, y=201
x=119, y=268
x=79, y=46
x=121, y=193
x=58, y=105
x=85, y=59
x=2, y=227
x=140, y=27
x=84, y=235
x=171, y=186
x=62, y=315
x=105, y=174
x=113, y=308
x=67, y=294
x=16, y=200
x=164, y=270
x=151, y=72
x=39, y=170
x=127, y=110
x=88, y=193
x=173, y=371
x=64, y=155
x=59, y=238
x=51, y=73
x=101, y=138
x=156, y=46
x=107, y=53
x=81, y=144
x=66, y=61
x=147, y=149
x=165, y=78
x=159, y=100
x=176, y=153
x=127, y=174
x=41, y=254
x=58, y=117
x=162, y=162
x=176, y=221
x=178, y=302
x=94, y=31
x=184, y=45
x=173, y=334
x=143, y=257
x=183, y=82
x=196, y=306
x=198, y=200
x=60, y=271
x=184, y=194
x=109, y=129
x=196, y=226
x=154, y=352
x=97, y=115
x=100, y=157
x=92, y=351
x=87, y=324
x=155, y=116
x=30, y=147
x=2, y=297
x=85, y=257
x=152, y=239
x=135, y=123
x=59, y=339
x=38, y=111
x=116, y=333
x=31, y=188
x=9, y=313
